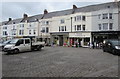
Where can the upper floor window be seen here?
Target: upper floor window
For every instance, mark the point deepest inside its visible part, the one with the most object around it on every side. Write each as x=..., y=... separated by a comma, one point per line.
x=62, y=28
x=13, y=27
x=4, y=32
x=30, y=32
x=99, y=16
x=75, y=19
x=111, y=26
x=105, y=16
x=21, y=32
x=30, y=25
x=105, y=26
x=83, y=18
x=4, y=27
x=78, y=27
x=34, y=32
x=47, y=29
x=43, y=30
x=47, y=22
x=22, y=25
x=99, y=25
x=83, y=27
x=78, y=18
x=62, y=21
x=75, y=27
x=110, y=16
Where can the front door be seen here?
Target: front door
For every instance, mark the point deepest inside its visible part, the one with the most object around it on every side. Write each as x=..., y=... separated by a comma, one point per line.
x=61, y=40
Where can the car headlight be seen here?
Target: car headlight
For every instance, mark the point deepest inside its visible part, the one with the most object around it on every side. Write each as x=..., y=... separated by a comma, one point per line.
x=117, y=47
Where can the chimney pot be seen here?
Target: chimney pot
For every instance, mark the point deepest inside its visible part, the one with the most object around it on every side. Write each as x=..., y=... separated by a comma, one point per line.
x=10, y=19
x=25, y=16
x=74, y=6
x=45, y=11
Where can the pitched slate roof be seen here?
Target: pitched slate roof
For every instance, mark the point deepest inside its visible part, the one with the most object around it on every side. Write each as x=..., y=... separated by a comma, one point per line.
x=34, y=18
x=67, y=12
x=97, y=7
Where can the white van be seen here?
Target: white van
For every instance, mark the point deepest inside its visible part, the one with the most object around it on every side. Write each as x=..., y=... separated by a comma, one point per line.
x=22, y=44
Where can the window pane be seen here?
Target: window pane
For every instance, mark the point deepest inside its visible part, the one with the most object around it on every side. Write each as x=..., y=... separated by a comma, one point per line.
x=105, y=16
x=83, y=27
x=62, y=27
x=78, y=27
x=75, y=27
x=99, y=26
x=105, y=26
x=83, y=18
x=111, y=26
x=110, y=15
x=47, y=29
x=65, y=28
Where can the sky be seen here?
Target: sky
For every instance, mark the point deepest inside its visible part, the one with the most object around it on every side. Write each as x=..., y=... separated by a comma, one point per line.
x=16, y=9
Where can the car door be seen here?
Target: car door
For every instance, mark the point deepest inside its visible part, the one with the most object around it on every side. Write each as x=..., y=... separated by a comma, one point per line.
x=21, y=46
x=27, y=45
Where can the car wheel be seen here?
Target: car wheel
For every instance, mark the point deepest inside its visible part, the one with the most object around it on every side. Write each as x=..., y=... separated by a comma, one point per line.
x=113, y=51
x=104, y=50
x=16, y=51
x=39, y=48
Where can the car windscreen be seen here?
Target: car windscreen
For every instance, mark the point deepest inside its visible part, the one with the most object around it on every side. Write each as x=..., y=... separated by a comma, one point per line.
x=13, y=41
x=115, y=42
x=6, y=42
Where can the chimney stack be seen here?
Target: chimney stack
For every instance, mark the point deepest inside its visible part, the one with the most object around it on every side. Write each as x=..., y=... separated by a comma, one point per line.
x=74, y=6
x=45, y=11
x=25, y=16
x=10, y=19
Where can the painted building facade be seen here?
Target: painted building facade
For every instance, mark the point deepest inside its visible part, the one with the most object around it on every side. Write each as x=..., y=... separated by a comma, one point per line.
x=79, y=26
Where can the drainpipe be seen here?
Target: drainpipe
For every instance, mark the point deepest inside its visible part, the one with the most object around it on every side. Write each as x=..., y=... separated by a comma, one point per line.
x=71, y=24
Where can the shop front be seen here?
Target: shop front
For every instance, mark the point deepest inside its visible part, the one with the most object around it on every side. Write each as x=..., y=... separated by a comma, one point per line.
x=79, y=39
x=59, y=39
x=102, y=35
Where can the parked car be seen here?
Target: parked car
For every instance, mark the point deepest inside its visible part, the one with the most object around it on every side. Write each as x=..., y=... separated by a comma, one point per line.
x=112, y=46
x=2, y=44
x=22, y=44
